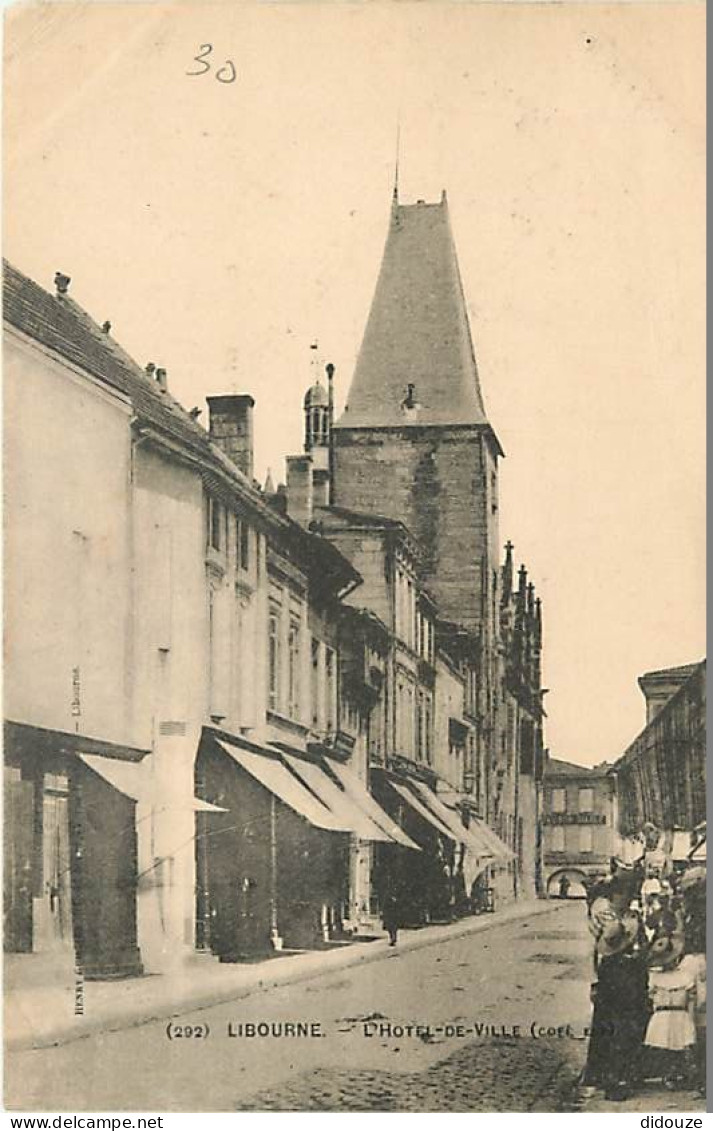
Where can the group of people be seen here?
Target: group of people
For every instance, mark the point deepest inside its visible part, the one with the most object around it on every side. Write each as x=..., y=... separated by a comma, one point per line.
x=649, y=1018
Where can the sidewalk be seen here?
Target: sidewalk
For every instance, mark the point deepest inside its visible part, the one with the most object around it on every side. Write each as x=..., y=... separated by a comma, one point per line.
x=42, y=1016
x=651, y=1098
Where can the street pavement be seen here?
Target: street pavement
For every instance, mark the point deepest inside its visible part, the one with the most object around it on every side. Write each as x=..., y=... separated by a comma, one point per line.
x=490, y=1022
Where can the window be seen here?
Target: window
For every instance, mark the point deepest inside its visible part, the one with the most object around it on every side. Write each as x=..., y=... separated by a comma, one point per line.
x=557, y=838
x=399, y=602
x=214, y=524
x=410, y=610
x=274, y=659
x=375, y=729
x=559, y=801
x=586, y=800
x=218, y=652
x=293, y=678
x=420, y=727
x=242, y=543
x=330, y=676
x=585, y=839
x=314, y=683
x=400, y=716
x=212, y=657
x=427, y=729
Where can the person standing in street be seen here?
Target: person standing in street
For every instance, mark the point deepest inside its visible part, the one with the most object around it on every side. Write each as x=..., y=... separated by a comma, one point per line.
x=390, y=915
x=621, y=1009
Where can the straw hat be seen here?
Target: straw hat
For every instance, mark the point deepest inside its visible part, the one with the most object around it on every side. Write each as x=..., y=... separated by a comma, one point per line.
x=665, y=951
x=617, y=936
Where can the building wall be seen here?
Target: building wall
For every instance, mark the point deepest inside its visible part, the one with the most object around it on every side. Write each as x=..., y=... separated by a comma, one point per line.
x=581, y=835
x=528, y=834
x=439, y=483
x=171, y=668
x=661, y=777
x=67, y=560
x=366, y=553
x=449, y=759
x=289, y=708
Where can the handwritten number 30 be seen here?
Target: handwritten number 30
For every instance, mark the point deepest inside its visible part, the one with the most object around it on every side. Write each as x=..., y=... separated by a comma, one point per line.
x=226, y=73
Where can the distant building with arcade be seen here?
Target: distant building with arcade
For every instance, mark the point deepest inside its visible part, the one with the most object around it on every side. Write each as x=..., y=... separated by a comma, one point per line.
x=579, y=824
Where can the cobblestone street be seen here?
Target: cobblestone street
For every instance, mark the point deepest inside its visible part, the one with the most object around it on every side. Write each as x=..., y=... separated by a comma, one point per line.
x=489, y=1022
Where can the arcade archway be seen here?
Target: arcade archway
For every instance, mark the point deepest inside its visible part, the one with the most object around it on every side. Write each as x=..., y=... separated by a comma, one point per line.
x=574, y=888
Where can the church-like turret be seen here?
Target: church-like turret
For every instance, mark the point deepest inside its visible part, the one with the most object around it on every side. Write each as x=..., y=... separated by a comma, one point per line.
x=319, y=418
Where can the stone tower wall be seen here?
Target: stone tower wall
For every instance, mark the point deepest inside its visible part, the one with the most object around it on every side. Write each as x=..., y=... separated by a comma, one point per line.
x=441, y=483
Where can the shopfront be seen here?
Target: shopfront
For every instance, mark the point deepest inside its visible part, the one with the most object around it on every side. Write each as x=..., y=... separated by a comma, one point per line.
x=274, y=868
x=70, y=853
x=437, y=884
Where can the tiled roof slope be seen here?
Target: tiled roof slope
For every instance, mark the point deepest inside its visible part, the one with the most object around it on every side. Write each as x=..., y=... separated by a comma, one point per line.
x=346, y=516
x=560, y=769
x=65, y=328
x=682, y=672
x=58, y=323
x=417, y=331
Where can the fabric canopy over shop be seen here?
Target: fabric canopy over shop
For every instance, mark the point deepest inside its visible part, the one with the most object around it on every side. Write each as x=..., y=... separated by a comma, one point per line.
x=423, y=811
x=699, y=852
x=680, y=845
x=499, y=847
x=131, y=779
x=449, y=817
x=358, y=792
x=478, y=827
x=274, y=776
x=337, y=801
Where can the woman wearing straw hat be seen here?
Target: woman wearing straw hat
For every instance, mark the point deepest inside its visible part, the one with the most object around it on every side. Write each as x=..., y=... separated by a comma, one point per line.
x=621, y=1009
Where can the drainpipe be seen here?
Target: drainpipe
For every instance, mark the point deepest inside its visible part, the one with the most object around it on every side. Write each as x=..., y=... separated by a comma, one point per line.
x=275, y=938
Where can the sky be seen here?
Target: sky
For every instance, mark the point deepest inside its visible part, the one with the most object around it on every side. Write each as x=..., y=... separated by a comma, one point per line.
x=222, y=226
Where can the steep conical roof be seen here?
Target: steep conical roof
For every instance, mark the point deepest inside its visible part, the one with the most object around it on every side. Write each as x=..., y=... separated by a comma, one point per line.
x=417, y=333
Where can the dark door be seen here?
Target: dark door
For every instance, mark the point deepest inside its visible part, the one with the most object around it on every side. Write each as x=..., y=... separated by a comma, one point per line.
x=18, y=836
x=53, y=911
x=104, y=876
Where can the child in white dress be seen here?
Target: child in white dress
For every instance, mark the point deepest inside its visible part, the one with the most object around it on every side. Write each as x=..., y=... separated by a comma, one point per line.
x=695, y=965
x=671, y=1029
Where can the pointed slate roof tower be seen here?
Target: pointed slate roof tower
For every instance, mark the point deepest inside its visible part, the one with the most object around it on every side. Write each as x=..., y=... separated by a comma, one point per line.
x=414, y=442
x=416, y=364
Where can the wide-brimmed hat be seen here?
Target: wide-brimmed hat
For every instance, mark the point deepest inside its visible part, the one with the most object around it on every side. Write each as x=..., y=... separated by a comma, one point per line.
x=665, y=950
x=693, y=876
x=617, y=936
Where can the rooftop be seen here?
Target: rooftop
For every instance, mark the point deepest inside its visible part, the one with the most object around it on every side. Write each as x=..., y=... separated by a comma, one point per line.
x=677, y=675
x=62, y=326
x=416, y=365
x=555, y=767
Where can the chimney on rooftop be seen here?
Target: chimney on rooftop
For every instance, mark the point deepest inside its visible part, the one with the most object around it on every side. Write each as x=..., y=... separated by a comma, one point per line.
x=300, y=490
x=162, y=379
x=61, y=283
x=231, y=428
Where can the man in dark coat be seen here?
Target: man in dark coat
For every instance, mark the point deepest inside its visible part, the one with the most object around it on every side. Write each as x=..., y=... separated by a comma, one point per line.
x=390, y=914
